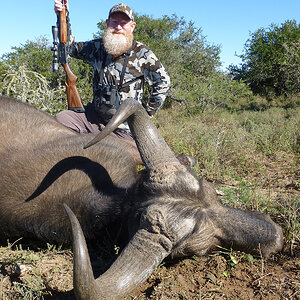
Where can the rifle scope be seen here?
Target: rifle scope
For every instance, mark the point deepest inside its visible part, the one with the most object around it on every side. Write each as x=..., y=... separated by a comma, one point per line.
x=55, y=63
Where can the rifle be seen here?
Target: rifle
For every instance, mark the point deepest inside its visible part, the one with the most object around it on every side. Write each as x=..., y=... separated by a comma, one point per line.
x=60, y=55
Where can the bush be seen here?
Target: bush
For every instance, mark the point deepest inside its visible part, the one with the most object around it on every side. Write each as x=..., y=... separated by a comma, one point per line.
x=271, y=61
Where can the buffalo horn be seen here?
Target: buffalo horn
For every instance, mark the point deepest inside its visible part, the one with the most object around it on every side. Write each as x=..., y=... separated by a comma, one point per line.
x=137, y=261
x=155, y=153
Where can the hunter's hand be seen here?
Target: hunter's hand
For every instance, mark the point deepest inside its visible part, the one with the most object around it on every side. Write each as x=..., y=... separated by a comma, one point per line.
x=58, y=6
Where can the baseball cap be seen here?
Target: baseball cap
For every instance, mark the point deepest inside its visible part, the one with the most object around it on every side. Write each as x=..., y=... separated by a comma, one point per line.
x=123, y=9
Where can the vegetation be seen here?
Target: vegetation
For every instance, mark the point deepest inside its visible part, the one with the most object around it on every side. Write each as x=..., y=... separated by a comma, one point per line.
x=243, y=129
x=271, y=61
x=269, y=75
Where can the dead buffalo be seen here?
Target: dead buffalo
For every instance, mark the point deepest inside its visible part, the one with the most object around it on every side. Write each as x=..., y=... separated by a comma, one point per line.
x=167, y=210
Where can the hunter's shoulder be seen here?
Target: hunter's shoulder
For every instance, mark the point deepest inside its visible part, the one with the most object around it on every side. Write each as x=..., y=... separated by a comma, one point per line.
x=96, y=43
x=91, y=50
x=137, y=46
x=142, y=51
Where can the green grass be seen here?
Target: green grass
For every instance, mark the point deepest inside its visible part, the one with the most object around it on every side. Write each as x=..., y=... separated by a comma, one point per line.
x=226, y=143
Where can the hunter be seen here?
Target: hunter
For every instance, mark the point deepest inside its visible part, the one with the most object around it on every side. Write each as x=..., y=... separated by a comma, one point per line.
x=121, y=67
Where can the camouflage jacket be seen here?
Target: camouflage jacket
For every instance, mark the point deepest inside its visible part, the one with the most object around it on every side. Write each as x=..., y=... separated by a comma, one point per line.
x=142, y=65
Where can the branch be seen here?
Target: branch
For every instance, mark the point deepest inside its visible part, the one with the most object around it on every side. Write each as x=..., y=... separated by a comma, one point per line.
x=181, y=101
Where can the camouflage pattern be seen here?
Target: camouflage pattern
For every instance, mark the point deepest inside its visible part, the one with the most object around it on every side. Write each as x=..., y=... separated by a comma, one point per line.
x=142, y=64
x=123, y=9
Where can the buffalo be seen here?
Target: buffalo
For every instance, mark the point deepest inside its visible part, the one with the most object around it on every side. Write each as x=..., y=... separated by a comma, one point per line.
x=60, y=186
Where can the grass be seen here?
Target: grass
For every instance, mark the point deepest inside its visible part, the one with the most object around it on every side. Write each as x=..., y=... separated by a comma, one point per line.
x=34, y=273
x=252, y=157
x=227, y=144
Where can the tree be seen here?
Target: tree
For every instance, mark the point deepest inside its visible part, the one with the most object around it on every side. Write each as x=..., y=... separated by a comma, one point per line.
x=271, y=60
x=35, y=55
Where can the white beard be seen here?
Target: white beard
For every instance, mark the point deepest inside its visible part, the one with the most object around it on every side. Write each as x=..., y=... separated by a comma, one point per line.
x=116, y=44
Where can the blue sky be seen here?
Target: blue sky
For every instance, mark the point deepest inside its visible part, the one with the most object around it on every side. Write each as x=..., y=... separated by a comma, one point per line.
x=225, y=23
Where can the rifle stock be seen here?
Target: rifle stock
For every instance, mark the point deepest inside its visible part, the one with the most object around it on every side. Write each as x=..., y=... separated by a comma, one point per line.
x=74, y=100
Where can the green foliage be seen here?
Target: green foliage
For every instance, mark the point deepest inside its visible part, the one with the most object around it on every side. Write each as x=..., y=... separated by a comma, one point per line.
x=34, y=55
x=245, y=195
x=218, y=90
x=27, y=75
x=4, y=68
x=271, y=60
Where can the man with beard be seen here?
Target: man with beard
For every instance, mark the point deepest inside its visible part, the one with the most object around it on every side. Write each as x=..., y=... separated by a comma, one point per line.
x=121, y=67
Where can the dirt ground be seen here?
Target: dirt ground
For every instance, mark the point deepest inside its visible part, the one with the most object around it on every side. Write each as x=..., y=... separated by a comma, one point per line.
x=224, y=277
x=221, y=275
